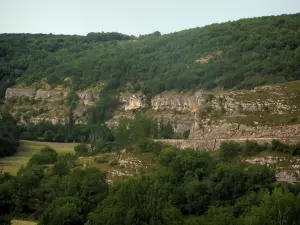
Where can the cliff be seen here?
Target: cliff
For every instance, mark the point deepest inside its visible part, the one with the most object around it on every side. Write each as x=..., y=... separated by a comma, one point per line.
x=33, y=106
x=264, y=112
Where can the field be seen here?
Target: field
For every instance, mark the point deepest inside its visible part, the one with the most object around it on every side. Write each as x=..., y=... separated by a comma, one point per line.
x=13, y=163
x=23, y=222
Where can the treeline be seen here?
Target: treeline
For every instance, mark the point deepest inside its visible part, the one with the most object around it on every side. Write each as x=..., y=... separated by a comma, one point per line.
x=46, y=131
x=9, y=133
x=245, y=53
x=188, y=187
x=231, y=149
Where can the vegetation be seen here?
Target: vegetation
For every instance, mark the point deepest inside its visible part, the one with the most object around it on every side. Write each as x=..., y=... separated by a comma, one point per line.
x=26, y=150
x=188, y=187
x=231, y=149
x=46, y=131
x=9, y=134
x=244, y=54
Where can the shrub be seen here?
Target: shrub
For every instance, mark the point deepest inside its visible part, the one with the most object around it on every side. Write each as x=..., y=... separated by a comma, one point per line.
x=101, y=160
x=47, y=155
x=81, y=148
x=114, y=162
x=148, y=145
x=229, y=150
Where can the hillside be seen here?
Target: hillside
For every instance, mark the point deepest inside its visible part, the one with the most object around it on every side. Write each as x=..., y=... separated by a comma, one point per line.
x=241, y=54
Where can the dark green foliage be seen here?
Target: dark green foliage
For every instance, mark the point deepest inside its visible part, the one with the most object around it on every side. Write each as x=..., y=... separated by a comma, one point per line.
x=9, y=134
x=46, y=155
x=148, y=145
x=81, y=148
x=63, y=211
x=114, y=163
x=136, y=201
x=246, y=53
x=5, y=220
x=47, y=131
x=131, y=131
x=103, y=109
x=228, y=150
x=64, y=164
x=186, y=184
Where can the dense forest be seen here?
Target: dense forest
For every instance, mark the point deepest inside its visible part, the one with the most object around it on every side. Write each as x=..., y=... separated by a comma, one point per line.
x=244, y=54
x=188, y=187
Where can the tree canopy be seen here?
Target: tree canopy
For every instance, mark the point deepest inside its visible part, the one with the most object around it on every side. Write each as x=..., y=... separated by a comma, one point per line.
x=240, y=54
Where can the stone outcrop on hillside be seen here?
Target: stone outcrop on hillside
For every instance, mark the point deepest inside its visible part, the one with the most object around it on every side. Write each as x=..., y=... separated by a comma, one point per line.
x=179, y=102
x=235, y=130
x=49, y=105
x=133, y=101
x=209, y=115
x=86, y=97
x=19, y=92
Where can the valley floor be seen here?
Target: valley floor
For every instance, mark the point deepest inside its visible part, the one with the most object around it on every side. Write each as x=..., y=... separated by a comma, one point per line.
x=27, y=149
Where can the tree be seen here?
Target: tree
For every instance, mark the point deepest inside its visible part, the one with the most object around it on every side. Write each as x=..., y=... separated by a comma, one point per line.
x=47, y=155
x=81, y=148
x=9, y=134
x=63, y=211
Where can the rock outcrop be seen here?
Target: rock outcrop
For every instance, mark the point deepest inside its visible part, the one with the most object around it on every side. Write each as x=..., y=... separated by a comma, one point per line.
x=178, y=102
x=50, y=105
x=19, y=92
x=133, y=101
x=267, y=111
x=235, y=130
x=88, y=98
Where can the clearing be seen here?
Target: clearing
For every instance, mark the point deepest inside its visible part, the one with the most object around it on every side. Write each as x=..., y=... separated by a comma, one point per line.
x=23, y=222
x=13, y=163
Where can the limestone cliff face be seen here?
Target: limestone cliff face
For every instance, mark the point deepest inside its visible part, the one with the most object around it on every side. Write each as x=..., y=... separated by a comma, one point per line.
x=267, y=111
x=179, y=102
x=50, y=105
x=88, y=98
x=236, y=131
x=19, y=92
x=133, y=101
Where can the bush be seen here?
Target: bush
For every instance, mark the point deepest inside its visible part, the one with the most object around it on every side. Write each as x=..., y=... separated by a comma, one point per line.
x=101, y=160
x=114, y=162
x=148, y=145
x=47, y=155
x=81, y=148
x=229, y=150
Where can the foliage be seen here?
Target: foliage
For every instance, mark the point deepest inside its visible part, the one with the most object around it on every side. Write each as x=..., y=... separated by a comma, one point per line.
x=9, y=134
x=136, y=201
x=228, y=150
x=244, y=54
x=47, y=131
x=81, y=148
x=47, y=155
x=63, y=211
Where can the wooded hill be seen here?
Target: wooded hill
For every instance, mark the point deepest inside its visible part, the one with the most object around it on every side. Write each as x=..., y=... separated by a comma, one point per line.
x=241, y=54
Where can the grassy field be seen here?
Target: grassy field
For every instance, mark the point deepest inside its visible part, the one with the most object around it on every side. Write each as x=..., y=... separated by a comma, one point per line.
x=13, y=163
x=23, y=222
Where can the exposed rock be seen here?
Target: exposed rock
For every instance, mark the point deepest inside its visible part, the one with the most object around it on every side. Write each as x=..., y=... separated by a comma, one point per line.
x=235, y=130
x=285, y=169
x=19, y=92
x=50, y=95
x=88, y=97
x=133, y=101
x=179, y=102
